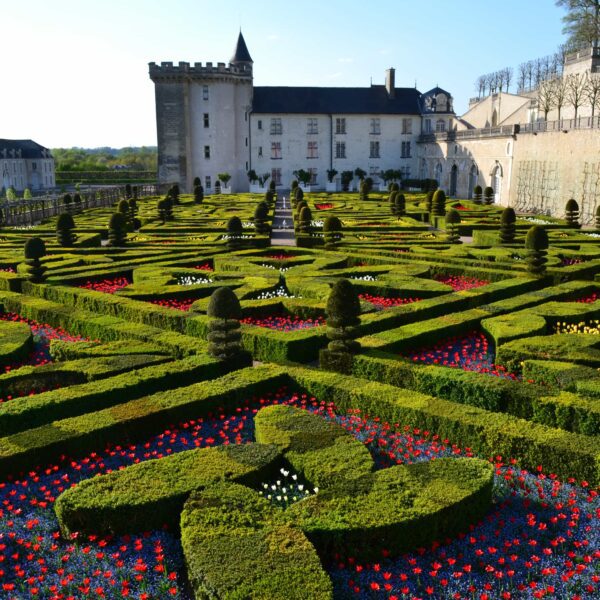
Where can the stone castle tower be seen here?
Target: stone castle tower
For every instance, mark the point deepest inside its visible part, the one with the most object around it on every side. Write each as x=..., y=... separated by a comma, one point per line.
x=202, y=119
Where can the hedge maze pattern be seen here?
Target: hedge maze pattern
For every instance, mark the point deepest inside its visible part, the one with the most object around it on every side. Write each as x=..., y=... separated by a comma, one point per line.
x=452, y=454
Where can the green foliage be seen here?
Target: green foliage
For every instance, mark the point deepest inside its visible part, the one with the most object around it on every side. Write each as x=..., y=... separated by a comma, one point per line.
x=343, y=310
x=439, y=203
x=360, y=173
x=11, y=194
x=196, y=181
x=395, y=186
x=400, y=202
x=234, y=233
x=123, y=208
x=429, y=201
x=536, y=243
x=304, y=221
x=252, y=176
x=224, y=335
x=477, y=194
x=162, y=208
x=173, y=193
x=272, y=186
x=198, y=194
x=16, y=342
x=117, y=229
x=507, y=226
x=303, y=176
x=331, y=173
x=64, y=230
x=105, y=159
x=346, y=178
x=364, y=190
x=392, y=201
x=261, y=214
x=225, y=178
x=27, y=194
x=597, y=218
x=452, y=221
x=35, y=249
x=572, y=214
x=488, y=195
x=332, y=232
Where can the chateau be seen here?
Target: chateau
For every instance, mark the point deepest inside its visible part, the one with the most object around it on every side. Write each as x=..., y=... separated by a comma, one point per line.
x=211, y=119
x=25, y=164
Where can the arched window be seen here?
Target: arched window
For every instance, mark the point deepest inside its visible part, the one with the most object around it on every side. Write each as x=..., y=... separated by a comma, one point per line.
x=440, y=125
x=497, y=183
x=453, y=180
x=473, y=177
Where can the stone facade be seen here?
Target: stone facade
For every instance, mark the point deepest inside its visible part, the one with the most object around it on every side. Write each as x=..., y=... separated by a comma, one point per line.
x=25, y=164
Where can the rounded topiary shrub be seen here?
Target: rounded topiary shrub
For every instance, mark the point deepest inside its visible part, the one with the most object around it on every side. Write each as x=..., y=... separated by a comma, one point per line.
x=395, y=187
x=174, y=193
x=64, y=230
x=488, y=195
x=161, y=207
x=572, y=214
x=272, y=186
x=269, y=197
x=343, y=310
x=197, y=181
x=332, y=232
x=298, y=195
x=117, y=229
x=400, y=205
x=123, y=207
x=224, y=334
x=439, y=203
x=234, y=233
x=198, y=194
x=364, y=190
x=536, y=243
x=429, y=200
x=261, y=212
x=35, y=249
x=392, y=200
x=507, y=225
x=452, y=222
x=477, y=194
x=304, y=220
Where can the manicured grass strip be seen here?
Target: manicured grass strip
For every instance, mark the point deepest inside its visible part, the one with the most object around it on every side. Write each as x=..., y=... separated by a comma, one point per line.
x=16, y=341
x=132, y=420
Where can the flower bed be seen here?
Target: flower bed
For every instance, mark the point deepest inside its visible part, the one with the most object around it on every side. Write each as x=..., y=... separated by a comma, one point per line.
x=583, y=327
x=460, y=283
x=469, y=353
x=324, y=206
x=380, y=302
x=107, y=286
x=177, y=303
x=203, y=267
x=284, y=323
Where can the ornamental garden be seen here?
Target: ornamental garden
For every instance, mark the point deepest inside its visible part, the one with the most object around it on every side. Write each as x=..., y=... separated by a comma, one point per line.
x=403, y=403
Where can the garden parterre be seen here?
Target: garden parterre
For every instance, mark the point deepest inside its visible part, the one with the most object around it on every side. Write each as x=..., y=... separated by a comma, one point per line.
x=463, y=354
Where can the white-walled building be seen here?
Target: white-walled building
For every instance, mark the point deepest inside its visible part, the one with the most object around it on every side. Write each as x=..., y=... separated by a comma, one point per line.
x=212, y=119
x=25, y=164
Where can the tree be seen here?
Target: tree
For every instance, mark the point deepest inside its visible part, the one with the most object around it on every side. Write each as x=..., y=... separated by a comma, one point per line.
x=507, y=226
x=35, y=249
x=117, y=229
x=439, y=203
x=234, y=233
x=173, y=193
x=128, y=191
x=477, y=194
x=545, y=97
x=303, y=176
x=332, y=232
x=488, y=195
x=522, y=77
x=572, y=214
x=536, y=243
x=592, y=91
x=272, y=185
x=27, y=194
x=252, y=176
x=452, y=223
x=582, y=21
x=480, y=86
x=331, y=173
x=364, y=190
x=559, y=88
x=360, y=173
x=224, y=333
x=346, y=178
x=64, y=230
x=168, y=207
x=224, y=178
x=343, y=310
x=198, y=194
x=11, y=194
x=576, y=84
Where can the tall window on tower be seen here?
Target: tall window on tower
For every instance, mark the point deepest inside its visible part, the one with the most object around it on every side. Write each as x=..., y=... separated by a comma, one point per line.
x=340, y=126
x=374, y=150
x=312, y=150
x=312, y=126
x=204, y=92
x=375, y=126
x=206, y=121
x=276, y=128
x=275, y=150
x=206, y=151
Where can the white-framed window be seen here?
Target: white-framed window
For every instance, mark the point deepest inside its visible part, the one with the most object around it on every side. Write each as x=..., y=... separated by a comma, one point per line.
x=259, y=124
x=375, y=126
x=405, y=150
x=276, y=176
x=207, y=184
x=276, y=150
x=313, y=176
x=373, y=149
x=312, y=126
x=407, y=126
x=340, y=149
x=440, y=125
x=260, y=151
x=276, y=127
x=340, y=126
x=206, y=120
x=204, y=92
x=312, y=150
x=206, y=151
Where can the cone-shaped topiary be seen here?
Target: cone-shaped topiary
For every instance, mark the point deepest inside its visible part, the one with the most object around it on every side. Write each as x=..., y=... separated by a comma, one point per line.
x=128, y=191
x=400, y=205
x=68, y=202
x=343, y=310
x=197, y=181
x=161, y=206
x=332, y=232
x=452, y=222
x=572, y=214
x=294, y=185
x=272, y=186
x=234, y=233
x=536, y=243
x=439, y=203
x=224, y=335
x=174, y=193
x=269, y=197
x=395, y=187
x=429, y=201
x=64, y=230
x=117, y=229
x=123, y=207
x=77, y=201
x=169, y=215
x=35, y=249
x=198, y=194
x=364, y=190
x=304, y=220
x=507, y=226
x=261, y=212
x=477, y=194
x=392, y=200
x=597, y=215
x=488, y=195
x=133, y=208
x=297, y=196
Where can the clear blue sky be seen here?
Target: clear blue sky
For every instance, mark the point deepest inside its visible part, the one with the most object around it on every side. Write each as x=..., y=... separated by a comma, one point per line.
x=74, y=72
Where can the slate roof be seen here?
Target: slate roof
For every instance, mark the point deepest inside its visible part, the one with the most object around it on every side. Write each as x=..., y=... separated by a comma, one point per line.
x=336, y=100
x=28, y=148
x=241, y=53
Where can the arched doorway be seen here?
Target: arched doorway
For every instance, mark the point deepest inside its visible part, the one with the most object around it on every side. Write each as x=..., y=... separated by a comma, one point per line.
x=497, y=183
x=453, y=180
x=473, y=176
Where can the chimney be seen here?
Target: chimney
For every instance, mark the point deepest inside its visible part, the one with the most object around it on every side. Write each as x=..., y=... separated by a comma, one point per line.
x=390, y=82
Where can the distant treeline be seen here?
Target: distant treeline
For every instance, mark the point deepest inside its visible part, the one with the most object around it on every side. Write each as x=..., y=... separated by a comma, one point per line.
x=105, y=159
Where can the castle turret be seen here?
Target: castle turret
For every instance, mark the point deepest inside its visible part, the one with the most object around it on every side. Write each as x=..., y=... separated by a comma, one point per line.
x=241, y=56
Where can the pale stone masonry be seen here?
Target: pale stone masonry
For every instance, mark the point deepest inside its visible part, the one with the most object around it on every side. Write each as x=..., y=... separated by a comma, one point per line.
x=25, y=164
